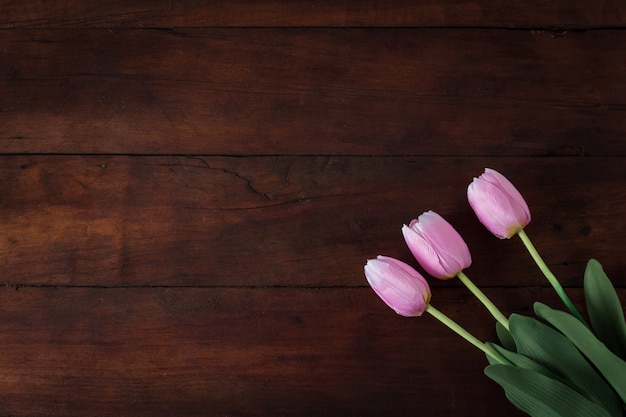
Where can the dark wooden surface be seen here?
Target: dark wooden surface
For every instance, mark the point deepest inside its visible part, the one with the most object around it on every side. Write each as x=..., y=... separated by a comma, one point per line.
x=190, y=191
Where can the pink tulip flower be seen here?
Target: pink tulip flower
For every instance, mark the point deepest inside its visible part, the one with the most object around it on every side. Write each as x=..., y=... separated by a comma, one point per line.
x=400, y=286
x=436, y=245
x=498, y=204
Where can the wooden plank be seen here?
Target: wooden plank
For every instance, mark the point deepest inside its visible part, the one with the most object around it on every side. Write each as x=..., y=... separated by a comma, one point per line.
x=284, y=221
x=243, y=352
x=399, y=13
x=309, y=91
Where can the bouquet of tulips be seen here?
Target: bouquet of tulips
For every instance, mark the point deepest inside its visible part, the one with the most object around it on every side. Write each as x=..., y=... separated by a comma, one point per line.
x=554, y=365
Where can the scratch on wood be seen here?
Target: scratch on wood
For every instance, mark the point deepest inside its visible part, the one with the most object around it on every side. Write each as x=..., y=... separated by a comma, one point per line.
x=249, y=182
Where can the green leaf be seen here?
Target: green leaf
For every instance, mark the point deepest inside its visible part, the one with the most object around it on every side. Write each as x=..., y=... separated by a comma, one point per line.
x=604, y=309
x=542, y=396
x=522, y=361
x=555, y=352
x=505, y=337
x=608, y=364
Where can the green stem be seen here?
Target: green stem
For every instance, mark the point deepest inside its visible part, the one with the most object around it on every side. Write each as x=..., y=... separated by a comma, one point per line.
x=465, y=334
x=495, y=312
x=549, y=275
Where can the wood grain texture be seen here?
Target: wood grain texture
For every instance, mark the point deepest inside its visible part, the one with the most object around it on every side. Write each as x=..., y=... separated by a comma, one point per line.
x=283, y=221
x=313, y=91
x=190, y=191
x=242, y=352
x=325, y=13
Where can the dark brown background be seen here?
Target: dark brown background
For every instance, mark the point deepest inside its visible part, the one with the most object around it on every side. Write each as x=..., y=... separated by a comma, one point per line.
x=190, y=191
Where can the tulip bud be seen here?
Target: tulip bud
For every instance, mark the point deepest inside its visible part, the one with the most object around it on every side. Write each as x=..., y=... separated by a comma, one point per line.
x=497, y=204
x=436, y=245
x=400, y=286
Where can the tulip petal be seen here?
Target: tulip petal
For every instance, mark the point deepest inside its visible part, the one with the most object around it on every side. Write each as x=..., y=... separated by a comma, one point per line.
x=496, y=178
x=424, y=253
x=498, y=204
x=436, y=245
x=494, y=209
x=398, y=285
x=452, y=249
